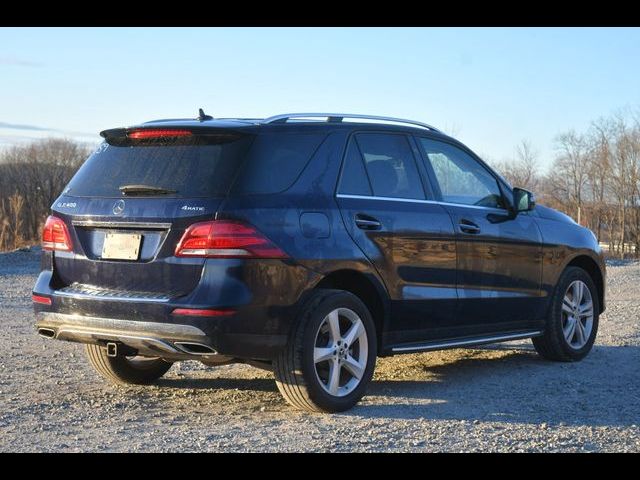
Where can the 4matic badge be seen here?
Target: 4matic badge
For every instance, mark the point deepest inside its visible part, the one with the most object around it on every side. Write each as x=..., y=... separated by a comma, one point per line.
x=189, y=208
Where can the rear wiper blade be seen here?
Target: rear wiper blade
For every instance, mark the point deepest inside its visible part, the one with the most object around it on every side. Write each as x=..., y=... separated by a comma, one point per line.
x=144, y=190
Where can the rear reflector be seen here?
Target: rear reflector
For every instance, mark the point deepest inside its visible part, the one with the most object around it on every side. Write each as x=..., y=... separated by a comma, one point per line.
x=55, y=235
x=226, y=239
x=41, y=299
x=199, y=312
x=158, y=133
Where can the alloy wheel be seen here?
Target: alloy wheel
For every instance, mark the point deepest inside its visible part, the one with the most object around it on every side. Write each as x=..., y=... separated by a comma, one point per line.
x=340, y=352
x=577, y=314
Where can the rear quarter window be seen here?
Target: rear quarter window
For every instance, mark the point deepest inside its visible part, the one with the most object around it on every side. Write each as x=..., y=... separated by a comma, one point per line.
x=275, y=161
x=354, y=180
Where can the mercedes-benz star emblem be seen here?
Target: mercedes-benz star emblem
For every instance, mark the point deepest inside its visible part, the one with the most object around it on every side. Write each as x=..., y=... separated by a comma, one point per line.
x=118, y=207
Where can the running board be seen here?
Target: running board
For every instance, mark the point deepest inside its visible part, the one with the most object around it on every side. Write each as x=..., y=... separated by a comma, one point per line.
x=441, y=345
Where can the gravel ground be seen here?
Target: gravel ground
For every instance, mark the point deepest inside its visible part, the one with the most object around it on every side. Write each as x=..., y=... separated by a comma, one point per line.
x=496, y=398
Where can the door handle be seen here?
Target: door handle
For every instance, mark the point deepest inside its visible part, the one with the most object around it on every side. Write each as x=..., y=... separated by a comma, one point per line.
x=466, y=226
x=365, y=222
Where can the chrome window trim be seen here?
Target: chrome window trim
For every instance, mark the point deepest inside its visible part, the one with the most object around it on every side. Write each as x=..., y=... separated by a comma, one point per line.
x=411, y=200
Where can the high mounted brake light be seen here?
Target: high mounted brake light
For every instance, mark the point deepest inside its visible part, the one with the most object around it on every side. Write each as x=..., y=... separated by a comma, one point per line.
x=55, y=235
x=226, y=239
x=158, y=133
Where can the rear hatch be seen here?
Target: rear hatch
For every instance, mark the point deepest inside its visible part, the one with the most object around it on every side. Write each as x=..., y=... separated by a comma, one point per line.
x=129, y=204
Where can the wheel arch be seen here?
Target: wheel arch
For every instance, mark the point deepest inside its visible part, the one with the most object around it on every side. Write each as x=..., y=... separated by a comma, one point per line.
x=592, y=268
x=368, y=289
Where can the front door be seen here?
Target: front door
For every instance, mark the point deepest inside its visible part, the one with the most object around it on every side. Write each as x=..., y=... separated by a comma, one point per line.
x=499, y=256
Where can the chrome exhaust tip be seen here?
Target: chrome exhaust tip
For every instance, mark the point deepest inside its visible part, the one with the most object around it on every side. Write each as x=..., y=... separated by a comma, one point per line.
x=112, y=349
x=47, y=332
x=195, y=348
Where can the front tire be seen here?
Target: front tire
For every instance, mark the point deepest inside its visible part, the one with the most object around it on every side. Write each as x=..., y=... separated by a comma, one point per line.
x=572, y=323
x=331, y=354
x=124, y=370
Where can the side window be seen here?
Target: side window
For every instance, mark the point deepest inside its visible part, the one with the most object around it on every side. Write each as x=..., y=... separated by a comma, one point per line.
x=354, y=179
x=460, y=177
x=391, y=165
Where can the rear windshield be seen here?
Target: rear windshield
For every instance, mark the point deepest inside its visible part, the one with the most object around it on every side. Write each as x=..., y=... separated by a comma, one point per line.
x=200, y=166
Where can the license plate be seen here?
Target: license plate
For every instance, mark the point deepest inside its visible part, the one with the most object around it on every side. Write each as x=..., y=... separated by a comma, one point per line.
x=121, y=246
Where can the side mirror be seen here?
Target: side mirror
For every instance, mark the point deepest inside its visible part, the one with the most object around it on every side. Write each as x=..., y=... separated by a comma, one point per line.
x=523, y=200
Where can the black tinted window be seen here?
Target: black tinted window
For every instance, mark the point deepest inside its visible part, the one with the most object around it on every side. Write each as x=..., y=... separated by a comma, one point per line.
x=460, y=177
x=390, y=165
x=275, y=161
x=194, y=167
x=354, y=179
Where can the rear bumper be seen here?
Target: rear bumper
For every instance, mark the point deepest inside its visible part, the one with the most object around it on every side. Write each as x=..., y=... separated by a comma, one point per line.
x=263, y=296
x=147, y=338
x=173, y=341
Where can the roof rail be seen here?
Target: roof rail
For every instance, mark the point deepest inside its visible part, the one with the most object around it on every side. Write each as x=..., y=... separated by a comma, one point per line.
x=246, y=120
x=338, y=117
x=167, y=120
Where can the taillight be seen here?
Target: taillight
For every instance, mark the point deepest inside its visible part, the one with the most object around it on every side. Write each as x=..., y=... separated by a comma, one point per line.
x=55, y=235
x=158, y=133
x=226, y=239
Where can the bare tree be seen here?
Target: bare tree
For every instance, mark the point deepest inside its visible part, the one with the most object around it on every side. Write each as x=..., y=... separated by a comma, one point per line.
x=11, y=222
x=635, y=184
x=523, y=170
x=599, y=170
x=622, y=179
x=570, y=173
x=37, y=173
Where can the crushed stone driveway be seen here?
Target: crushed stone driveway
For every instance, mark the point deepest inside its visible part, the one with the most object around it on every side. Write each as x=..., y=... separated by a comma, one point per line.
x=495, y=398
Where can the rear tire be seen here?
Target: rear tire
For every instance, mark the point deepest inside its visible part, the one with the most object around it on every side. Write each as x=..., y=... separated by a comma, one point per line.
x=123, y=370
x=331, y=354
x=572, y=323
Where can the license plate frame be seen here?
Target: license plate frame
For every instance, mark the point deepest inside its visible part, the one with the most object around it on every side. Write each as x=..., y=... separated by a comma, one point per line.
x=121, y=246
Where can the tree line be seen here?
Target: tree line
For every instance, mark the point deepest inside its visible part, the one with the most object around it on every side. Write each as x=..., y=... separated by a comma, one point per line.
x=31, y=178
x=594, y=177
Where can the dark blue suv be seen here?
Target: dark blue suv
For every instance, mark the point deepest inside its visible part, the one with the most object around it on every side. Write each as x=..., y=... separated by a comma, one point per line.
x=307, y=244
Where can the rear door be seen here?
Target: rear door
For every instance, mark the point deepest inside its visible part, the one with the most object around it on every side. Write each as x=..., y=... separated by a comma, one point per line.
x=409, y=239
x=499, y=263
x=131, y=201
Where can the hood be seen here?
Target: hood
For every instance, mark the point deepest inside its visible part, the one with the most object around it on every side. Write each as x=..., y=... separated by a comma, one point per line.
x=551, y=214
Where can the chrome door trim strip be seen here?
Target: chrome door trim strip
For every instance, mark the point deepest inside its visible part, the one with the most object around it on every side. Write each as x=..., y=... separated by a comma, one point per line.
x=460, y=343
x=412, y=200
